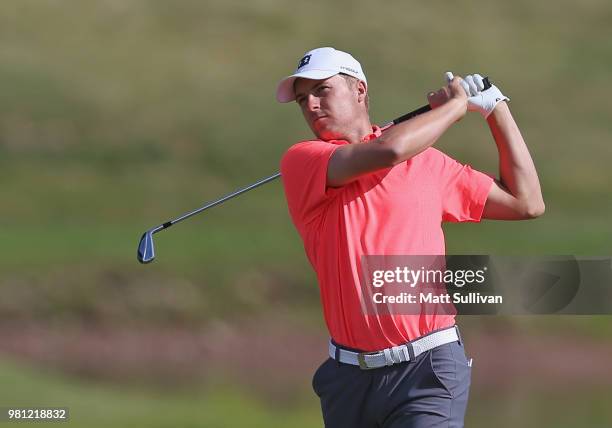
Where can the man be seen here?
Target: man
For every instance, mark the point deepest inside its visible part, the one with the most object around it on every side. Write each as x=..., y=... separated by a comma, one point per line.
x=356, y=191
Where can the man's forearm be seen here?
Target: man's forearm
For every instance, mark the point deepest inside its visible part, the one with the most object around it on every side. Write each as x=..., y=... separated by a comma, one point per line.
x=517, y=170
x=415, y=135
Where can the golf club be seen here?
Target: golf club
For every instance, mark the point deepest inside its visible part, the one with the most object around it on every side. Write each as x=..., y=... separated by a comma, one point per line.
x=146, y=248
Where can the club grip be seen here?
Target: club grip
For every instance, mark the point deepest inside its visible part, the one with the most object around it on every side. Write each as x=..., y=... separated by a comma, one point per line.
x=486, y=83
x=412, y=114
x=425, y=109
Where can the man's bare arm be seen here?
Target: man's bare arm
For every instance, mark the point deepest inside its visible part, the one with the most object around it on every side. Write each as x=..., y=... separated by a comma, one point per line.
x=400, y=142
x=518, y=194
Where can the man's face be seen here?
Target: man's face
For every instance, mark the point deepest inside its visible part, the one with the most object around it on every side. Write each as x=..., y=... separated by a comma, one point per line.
x=329, y=106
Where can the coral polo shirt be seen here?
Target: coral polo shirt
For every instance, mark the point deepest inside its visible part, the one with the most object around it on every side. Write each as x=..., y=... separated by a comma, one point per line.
x=393, y=211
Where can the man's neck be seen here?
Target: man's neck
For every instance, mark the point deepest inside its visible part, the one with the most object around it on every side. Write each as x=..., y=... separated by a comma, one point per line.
x=356, y=134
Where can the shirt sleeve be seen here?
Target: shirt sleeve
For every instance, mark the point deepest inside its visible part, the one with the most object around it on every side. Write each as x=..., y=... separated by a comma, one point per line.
x=304, y=176
x=463, y=190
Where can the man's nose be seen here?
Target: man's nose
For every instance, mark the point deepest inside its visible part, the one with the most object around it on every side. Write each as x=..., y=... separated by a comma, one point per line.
x=312, y=103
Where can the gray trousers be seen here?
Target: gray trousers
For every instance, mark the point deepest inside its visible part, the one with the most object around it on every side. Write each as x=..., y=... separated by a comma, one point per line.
x=431, y=391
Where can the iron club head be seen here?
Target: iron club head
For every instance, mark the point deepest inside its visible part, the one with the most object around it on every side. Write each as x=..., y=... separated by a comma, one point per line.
x=146, y=251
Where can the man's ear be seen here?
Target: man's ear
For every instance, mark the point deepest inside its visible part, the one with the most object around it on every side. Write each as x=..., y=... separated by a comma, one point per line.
x=362, y=91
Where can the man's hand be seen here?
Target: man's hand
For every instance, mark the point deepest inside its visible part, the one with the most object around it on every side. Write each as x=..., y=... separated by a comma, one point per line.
x=481, y=100
x=453, y=91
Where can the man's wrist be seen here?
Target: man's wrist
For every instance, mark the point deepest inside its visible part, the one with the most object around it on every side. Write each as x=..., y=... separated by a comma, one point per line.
x=500, y=110
x=458, y=108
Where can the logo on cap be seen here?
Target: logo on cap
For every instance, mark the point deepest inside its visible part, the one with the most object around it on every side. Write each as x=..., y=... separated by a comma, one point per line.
x=304, y=61
x=352, y=70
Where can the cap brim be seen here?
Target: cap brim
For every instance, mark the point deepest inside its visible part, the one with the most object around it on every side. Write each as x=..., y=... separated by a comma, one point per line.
x=285, y=92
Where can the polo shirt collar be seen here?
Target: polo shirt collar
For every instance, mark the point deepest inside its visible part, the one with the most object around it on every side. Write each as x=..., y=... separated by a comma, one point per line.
x=376, y=132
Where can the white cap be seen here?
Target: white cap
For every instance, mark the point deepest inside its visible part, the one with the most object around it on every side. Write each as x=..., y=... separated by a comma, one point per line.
x=317, y=64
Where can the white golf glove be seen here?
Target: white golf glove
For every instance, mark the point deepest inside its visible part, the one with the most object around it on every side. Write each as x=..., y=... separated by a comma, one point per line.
x=479, y=99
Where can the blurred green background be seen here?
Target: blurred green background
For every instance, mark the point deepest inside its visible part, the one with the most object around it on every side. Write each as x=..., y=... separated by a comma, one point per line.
x=118, y=115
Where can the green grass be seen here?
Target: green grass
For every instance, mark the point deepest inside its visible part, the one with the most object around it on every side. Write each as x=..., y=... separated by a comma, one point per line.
x=101, y=405
x=532, y=408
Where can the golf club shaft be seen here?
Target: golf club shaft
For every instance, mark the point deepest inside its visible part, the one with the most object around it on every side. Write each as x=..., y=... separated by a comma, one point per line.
x=185, y=216
x=219, y=201
x=421, y=110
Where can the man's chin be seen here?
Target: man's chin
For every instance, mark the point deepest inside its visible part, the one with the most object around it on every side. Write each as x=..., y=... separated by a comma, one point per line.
x=325, y=134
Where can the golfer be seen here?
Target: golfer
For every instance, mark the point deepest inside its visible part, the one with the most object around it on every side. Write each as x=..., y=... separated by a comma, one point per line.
x=355, y=191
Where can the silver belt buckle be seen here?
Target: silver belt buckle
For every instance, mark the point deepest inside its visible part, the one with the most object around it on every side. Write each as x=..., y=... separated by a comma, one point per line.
x=361, y=359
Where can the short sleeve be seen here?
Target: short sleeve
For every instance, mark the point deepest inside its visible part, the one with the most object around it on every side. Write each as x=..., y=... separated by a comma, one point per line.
x=463, y=190
x=304, y=176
